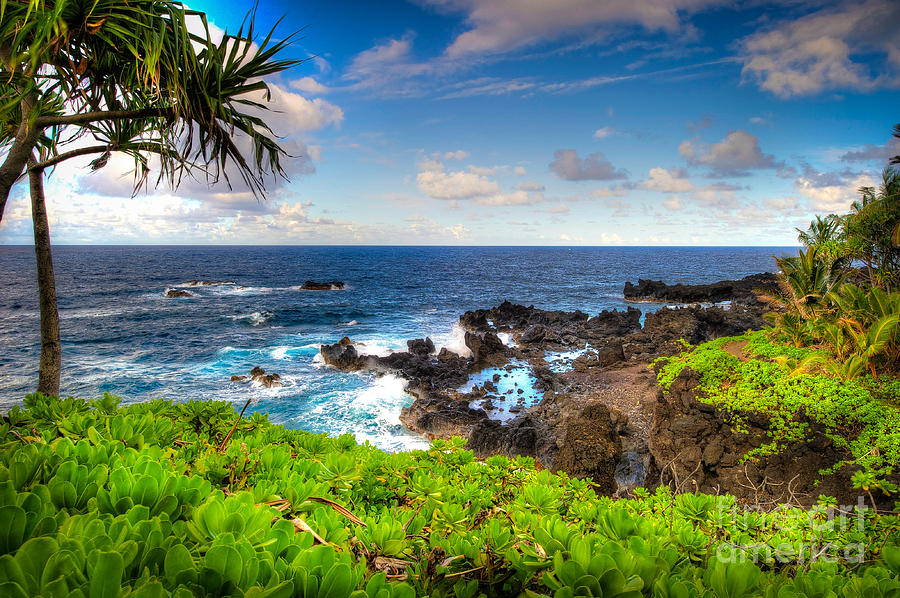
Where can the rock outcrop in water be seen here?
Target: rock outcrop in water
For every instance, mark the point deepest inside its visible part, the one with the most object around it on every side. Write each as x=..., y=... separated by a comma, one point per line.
x=744, y=290
x=311, y=285
x=257, y=374
x=177, y=293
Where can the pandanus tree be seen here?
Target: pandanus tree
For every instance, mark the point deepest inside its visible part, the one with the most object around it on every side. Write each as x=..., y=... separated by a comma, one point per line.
x=145, y=78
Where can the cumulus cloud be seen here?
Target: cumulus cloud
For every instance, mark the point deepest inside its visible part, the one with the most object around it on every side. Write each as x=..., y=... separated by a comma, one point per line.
x=428, y=228
x=309, y=85
x=672, y=204
x=830, y=192
x=717, y=195
x=617, y=191
x=436, y=182
x=595, y=167
x=290, y=113
x=520, y=171
x=516, y=198
x=737, y=153
x=666, y=181
x=828, y=49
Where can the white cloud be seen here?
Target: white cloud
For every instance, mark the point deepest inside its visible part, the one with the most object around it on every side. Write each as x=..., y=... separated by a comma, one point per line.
x=502, y=25
x=604, y=132
x=672, y=203
x=567, y=165
x=428, y=228
x=602, y=192
x=457, y=155
x=520, y=171
x=558, y=209
x=516, y=198
x=434, y=181
x=666, y=181
x=611, y=239
x=831, y=192
x=309, y=85
x=718, y=196
x=822, y=50
x=530, y=186
x=290, y=113
x=737, y=153
x=483, y=170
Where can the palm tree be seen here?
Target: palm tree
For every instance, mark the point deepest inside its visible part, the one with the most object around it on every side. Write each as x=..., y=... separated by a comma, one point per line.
x=807, y=281
x=93, y=77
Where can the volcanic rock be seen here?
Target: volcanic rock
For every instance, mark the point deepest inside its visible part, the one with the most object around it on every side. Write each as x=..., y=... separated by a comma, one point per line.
x=420, y=346
x=743, y=290
x=484, y=345
x=175, y=293
x=311, y=285
x=343, y=356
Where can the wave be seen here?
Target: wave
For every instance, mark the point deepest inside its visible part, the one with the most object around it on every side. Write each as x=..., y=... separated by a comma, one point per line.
x=286, y=352
x=256, y=318
x=350, y=323
x=454, y=341
x=206, y=283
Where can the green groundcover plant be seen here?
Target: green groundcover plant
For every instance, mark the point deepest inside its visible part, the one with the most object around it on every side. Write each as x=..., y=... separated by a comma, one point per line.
x=162, y=499
x=861, y=415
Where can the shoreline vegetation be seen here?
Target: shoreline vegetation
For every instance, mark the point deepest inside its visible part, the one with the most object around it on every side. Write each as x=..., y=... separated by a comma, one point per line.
x=159, y=498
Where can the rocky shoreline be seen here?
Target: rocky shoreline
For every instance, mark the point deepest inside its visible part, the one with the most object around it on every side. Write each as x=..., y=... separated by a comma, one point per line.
x=576, y=392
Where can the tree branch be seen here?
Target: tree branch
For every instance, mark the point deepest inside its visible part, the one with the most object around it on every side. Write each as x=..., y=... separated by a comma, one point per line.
x=97, y=115
x=81, y=151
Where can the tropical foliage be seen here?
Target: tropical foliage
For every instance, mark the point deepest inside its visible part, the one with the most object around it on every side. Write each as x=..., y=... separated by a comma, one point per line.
x=163, y=499
x=842, y=290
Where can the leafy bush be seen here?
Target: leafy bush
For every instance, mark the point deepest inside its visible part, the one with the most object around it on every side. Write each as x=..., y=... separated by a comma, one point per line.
x=163, y=499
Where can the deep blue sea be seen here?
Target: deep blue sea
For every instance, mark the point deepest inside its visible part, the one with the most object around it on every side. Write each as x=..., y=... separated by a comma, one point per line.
x=121, y=335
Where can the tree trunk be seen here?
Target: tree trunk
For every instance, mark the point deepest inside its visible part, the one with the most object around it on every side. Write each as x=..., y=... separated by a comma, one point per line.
x=51, y=360
x=20, y=151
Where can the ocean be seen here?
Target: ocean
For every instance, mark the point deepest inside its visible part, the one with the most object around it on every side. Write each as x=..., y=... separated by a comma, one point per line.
x=122, y=335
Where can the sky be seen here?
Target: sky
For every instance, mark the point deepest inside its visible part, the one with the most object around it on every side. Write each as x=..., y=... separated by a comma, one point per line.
x=518, y=122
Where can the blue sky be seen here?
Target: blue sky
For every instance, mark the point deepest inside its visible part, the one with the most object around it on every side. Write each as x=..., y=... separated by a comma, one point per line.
x=512, y=122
